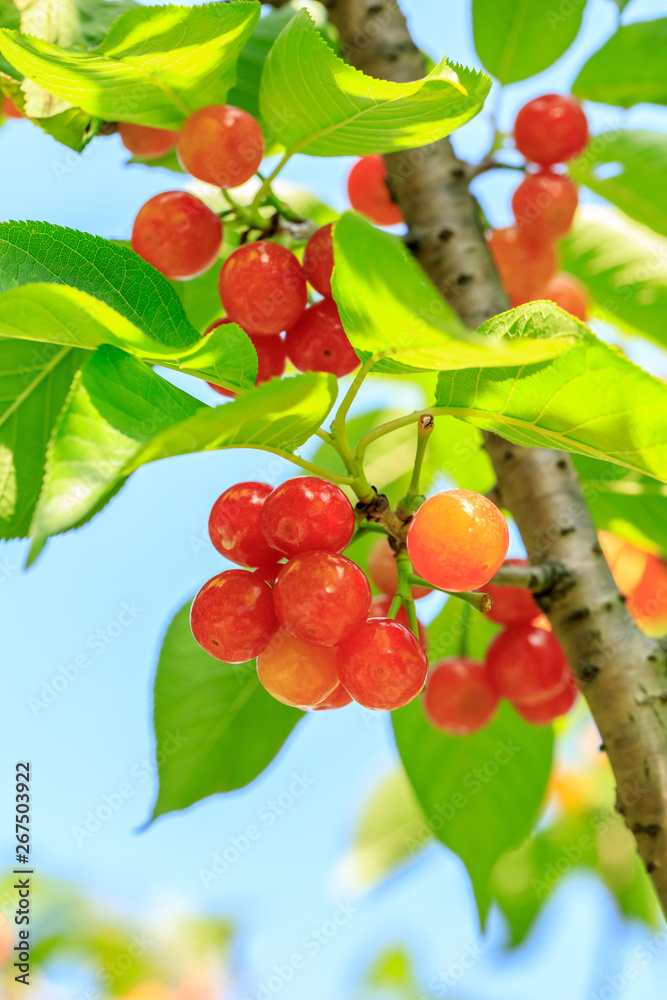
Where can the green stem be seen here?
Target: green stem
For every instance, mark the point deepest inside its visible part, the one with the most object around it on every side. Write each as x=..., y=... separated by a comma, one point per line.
x=265, y=186
x=304, y=464
x=413, y=498
x=465, y=622
x=352, y=460
x=478, y=601
x=245, y=215
x=404, y=589
x=391, y=425
x=395, y=606
x=366, y=528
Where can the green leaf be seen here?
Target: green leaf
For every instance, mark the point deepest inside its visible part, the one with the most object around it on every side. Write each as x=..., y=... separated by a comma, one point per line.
x=391, y=310
x=34, y=382
x=591, y=401
x=156, y=65
x=624, y=267
x=97, y=16
x=628, y=168
x=516, y=39
x=481, y=794
x=350, y=114
x=216, y=728
x=629, y=69
x=245, y=92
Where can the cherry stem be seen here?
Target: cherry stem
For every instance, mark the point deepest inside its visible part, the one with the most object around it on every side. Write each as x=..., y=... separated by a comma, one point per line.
x=413, y=499
x=476, y=600
x=404, y=589
x=338, y=435
x=304, y=464
x=367, y=527
x=265, y=187
x=465, y=626
x=395, y=606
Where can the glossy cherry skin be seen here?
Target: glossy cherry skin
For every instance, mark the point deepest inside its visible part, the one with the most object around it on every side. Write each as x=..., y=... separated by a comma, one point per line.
x=271, y=357
x=318, y=260
x=338, y=698
x=551, y=129
x=380, y=606
x=544, y=205
x=263, y=288
x=177, y=234
x=511, y=605
x=145, y=141
x=296, y=672
x=307, y=513
x=369, y=192
x=459, y=697
x=221, y=145
x=524, y=263
x=318, y=342
x=232, y=616
x=234, y=525
x=321, y=597
x=569, y=294
x=383, y=572
x=542, y=713
x=526, y=664
x=457, y=540
x=382, y=665
x=9, y=109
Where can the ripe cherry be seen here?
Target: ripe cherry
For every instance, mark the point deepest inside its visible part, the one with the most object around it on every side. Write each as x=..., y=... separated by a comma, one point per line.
x=338, y=698
x=459, y=696
x=307, y=513
x=380, y=606
x=9, y=109
x=551, y=129
x=382, y=665
x=295, y=672
x=318, y=260
x=526, y=664
x=263, y=288
x=647, y=601
x=232, y=616
x=383, y=572
x=271, y=357
x=318, y=342
x=525, y=264
x=369, y=192
x=145, y=141
x=234, y=525
x=568, y=293
x=544, y=205
x=177, y=234
x=627, y=562
x=457, y=540
x=221, y=145
x=321, y=597
x=511, y=605
x=543, y=712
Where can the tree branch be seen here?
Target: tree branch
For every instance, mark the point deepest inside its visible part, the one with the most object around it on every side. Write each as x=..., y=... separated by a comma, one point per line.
x=622, y=673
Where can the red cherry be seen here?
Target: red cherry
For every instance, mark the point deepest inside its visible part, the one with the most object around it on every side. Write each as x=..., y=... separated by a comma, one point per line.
x=318, y=260
x=318, y=342
x=524, y=263
x=542, y=713
x=177, y=234
x=380, y=609
x=145, y=141
x=511, y=605
x=369, y=192
x=568, y=293
x=297, y=673
x=457, y=540
x=551, y=129
x=544, y=205
x=263, y=288
x=383, y=572
x=221, y=145
x=232, y=616
x=459, y=696
x=382, y=665
x=308, y=513
x=338, y=698
x=271, y=357
x=321, y=597
x=234, y=525
x=9, y=109
x=526, y=664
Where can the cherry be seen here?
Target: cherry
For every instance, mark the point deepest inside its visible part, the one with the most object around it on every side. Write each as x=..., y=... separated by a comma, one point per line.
x=369, y=192
x=542, y=713
x=271, y=357
x=9, y=109
x=380, y=606
x=221, y=145
x=551, y=129
x=318, y=342
x=626, y=561
x=382, y=665
x=526, y=664
x=232, y=616
x=511, y=605
x=459, y=696
x=457, y=540
x=647, y=601
x=145, y=141
x=321, y=597
x=318, y=260
x=338, y=698
x=568, y=293
x=524, y=263
x=544, y=205
x=234, y=525
x=296, y=672
x=263, y=288
x=308, y=513
x=177, y=234
x=383, y=572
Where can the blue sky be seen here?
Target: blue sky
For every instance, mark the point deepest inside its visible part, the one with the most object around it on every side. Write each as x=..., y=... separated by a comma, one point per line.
x=145, y=553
